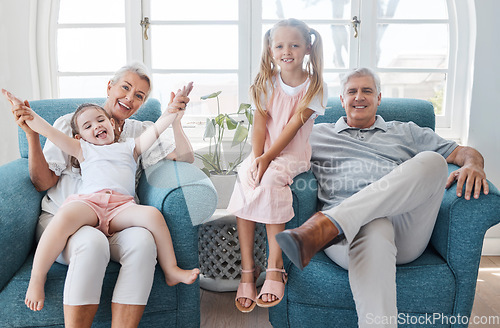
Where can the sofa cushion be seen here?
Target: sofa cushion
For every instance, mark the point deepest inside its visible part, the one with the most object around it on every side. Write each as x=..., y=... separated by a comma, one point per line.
x=12, y=298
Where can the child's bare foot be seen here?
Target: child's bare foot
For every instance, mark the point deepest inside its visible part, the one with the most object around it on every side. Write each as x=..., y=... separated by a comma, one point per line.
x=35, y=295
x=177, y=275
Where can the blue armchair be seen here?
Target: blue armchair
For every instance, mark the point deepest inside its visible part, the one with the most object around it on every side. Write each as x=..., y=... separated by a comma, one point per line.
x=179, y=190
x=440, y=282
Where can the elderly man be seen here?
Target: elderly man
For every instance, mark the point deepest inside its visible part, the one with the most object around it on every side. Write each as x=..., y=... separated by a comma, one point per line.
x=381, y=185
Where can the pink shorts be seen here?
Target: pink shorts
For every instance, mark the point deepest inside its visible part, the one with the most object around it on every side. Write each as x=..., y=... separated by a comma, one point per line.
x=106, y=205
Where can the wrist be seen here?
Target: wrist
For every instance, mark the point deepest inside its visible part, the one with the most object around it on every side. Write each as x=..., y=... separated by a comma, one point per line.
x=266, y=156
x=32, y=136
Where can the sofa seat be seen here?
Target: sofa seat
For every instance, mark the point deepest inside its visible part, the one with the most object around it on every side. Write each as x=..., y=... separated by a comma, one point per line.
x=336, y=292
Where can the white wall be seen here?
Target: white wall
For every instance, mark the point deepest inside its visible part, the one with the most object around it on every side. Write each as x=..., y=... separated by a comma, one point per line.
x=483, y=134
x=484, y=129
x=15, y=73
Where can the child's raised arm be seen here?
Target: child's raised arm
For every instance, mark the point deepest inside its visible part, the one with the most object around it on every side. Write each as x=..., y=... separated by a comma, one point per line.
x=38, y=124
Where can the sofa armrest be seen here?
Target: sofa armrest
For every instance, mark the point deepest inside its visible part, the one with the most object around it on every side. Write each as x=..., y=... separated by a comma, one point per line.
x=461, y=223
x=305, y=198
x=167, y=176
x=186, y=197
x=19, y=211
x=459, y=233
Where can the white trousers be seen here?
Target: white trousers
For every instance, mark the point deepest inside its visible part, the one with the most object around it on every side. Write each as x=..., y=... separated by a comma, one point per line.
x=87, y=255
x=387, y=223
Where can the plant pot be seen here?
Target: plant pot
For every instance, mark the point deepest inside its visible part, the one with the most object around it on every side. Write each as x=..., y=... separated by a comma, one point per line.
x=224, y=184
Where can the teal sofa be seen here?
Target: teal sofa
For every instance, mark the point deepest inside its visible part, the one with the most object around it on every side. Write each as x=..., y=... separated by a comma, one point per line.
x=441, y=282
x=179, y=190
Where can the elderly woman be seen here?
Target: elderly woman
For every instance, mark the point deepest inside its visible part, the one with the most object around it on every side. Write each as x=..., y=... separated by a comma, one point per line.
x=88, y=251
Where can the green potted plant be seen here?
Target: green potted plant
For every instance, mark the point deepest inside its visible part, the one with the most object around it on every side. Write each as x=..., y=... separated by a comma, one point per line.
x=214, y=161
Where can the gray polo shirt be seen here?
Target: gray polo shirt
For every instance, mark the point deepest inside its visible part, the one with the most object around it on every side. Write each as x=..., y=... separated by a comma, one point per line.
x=346, y=159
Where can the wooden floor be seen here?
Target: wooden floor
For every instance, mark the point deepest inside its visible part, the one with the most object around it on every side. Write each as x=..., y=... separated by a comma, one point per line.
x=218, y=310
x=487, y=300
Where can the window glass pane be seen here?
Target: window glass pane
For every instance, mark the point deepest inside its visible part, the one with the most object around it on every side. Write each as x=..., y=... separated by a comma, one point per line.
x=336, y=39
x=412, y=9
x=209, y=47
x=194, y=10
x=91, y=11
x=333, y=82
x=90, y=49
x=204, y=84
x=409, y=45
x=83, y=86
x=427, y=86
x=305, y=9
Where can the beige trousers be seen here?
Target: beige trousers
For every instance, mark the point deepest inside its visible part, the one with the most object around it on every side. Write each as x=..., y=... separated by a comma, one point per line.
x=387, y=223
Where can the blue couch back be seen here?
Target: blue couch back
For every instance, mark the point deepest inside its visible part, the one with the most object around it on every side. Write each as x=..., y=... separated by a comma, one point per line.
x=52, y=109
x=421, y=112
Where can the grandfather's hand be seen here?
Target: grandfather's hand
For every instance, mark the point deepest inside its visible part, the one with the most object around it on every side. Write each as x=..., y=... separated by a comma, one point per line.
x=21, y=110
x=474, y=179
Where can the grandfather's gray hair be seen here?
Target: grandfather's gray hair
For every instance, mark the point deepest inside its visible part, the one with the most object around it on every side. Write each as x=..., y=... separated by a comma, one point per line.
x=358, y=72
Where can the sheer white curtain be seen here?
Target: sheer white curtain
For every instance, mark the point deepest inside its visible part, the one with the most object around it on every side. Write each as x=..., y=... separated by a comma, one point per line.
x=43, y=15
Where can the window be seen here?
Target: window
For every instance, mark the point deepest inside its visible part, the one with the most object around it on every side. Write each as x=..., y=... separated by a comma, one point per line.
x=407, y=42
x=413, y=45
x=88, y=45
x=196, y=40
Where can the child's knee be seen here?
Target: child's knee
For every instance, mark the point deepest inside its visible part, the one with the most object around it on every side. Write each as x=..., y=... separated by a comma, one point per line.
x=154, y=214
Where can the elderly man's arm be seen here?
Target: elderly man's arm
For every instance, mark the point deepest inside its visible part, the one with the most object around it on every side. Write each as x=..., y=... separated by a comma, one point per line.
x=471, y=172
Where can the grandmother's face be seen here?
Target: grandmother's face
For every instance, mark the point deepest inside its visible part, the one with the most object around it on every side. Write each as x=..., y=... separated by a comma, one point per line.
x=126, y=96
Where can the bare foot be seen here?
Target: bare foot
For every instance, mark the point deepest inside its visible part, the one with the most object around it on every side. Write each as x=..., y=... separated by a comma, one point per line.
x=35, y=295
x=177, y=275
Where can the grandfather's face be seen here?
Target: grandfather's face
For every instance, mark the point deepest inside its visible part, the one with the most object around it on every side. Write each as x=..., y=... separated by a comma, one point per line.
x=360, y=101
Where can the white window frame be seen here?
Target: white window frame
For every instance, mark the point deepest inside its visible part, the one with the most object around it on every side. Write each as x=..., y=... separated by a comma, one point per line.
x=461, y=52
x=246, y=10
x=368, y=36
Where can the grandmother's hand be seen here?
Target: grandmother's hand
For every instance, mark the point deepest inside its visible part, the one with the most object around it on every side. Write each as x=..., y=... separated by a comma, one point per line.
x=178, y=101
